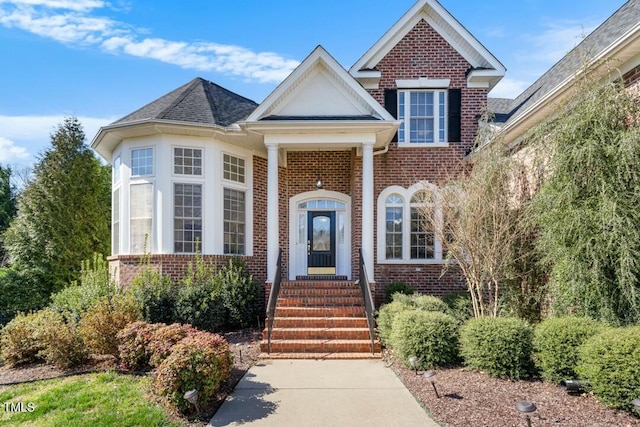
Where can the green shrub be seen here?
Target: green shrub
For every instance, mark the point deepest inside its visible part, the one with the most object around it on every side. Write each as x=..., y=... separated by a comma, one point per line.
x=201, y=361
x=460, y=305
x=200, y=301
x=133, y=345
x=21, y=291
x=556, y=343
x=428, y=303
x=240, y=294
x=609, y=363
x=395, y=288
x=155, y=294
x=21, y=339
x=95, y=284
x=431, y=336
x=100, y=325
x=164, y=339
x=501, y=347
x=63, y=346
x=386, y=316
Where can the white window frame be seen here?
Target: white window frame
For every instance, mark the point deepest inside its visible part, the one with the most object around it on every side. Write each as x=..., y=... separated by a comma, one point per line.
x=245, y=168
x=200, y=242
x=152, y=216
x=117, y=169
x=173, y=161
x=153, y=161
x=440, y=112
x=407, y=195
x=116, y=229
x=246, y=217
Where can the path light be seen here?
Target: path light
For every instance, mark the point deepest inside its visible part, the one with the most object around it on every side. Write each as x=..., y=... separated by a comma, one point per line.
x=413, y=361
x=239, y=351
x=429, y=376
x=571, y=386
x=192, y=397
x=636, y=404
x=525, y=407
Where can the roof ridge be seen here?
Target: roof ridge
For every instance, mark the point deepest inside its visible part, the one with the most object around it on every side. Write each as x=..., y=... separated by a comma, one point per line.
x=190, y=88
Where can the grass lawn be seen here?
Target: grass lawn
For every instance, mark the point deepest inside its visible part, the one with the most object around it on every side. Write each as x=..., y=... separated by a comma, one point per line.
x=104, y=399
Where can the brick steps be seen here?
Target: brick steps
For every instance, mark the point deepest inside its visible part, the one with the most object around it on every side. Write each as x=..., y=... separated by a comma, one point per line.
x=320, y=320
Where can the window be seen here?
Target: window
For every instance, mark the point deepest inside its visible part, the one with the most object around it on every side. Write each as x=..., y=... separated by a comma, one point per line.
x=234, y=222
x=141, y=208
x=187, y=161
x=187, y=217
x=404, y=234
x=142, y=162
x=423, y=116
x=233, y=168
x=115, y=228
x=117, y=163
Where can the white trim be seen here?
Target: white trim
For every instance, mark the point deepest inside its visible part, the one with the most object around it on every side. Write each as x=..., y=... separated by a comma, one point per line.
x=406, y=143
x=423, y=145
x=173, y=161
x=343, y=266
x=423, y=83
x=203, y=239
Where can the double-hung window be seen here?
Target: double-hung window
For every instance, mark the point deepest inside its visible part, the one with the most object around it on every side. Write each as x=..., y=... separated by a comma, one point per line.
x=423, y=114
x=187, y=217
x=234, y=204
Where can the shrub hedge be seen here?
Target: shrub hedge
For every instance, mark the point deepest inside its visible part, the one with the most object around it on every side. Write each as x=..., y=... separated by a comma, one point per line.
x=133, y=345
x=610, y=363
x=396, y=288
x=201, y=361
x=502, y=347
x=431, y=336
x=556, y=344
x=21, y=339
x=155, y=294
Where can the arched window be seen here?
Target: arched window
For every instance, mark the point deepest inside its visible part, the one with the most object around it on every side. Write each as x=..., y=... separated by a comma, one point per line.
x=405, y=234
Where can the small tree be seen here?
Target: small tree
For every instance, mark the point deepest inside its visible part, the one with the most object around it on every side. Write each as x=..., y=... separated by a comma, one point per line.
x=7, y=205
x=478, y=219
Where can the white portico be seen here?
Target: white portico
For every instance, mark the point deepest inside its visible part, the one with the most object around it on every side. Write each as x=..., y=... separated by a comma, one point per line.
x=320, y=108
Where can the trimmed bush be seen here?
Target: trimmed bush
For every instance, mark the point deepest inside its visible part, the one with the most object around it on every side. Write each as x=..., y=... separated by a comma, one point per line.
x=201, y=361
x=431, y=336
x=460, y=305
x=155, y=294
x=396, y=288
x=200, y=301
x=164, y=339
x=21, y=339
x=63, y=346
x=100, y=325
x=501, y=347
x=240, y=294
x=428, y=303
x=610, y=363
x=556, y=343
x=133, y=345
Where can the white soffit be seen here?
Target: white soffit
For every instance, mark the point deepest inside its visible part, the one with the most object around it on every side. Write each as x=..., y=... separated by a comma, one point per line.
x=320, y=86
x=442, y=22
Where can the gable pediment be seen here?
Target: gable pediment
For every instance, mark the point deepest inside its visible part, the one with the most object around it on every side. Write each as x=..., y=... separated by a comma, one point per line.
x=318, y=88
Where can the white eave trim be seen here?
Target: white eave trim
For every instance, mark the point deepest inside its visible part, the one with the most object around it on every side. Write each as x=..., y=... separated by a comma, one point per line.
x=423, y=83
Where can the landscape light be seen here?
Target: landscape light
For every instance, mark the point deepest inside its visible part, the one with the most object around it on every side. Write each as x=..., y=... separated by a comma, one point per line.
x=429, y=376
x=413, y=361
x=192, y=397
x=525, y=407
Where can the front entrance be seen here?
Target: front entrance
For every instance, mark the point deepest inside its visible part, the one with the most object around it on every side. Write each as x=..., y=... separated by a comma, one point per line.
x=321, y=243
x=320, y=234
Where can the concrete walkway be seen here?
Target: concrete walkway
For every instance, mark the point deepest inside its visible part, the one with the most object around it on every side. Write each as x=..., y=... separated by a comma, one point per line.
x=324, y=393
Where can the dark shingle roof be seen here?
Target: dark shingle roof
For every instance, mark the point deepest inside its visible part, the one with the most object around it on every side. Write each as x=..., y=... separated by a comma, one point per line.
x=199, y=101
x=602, y=37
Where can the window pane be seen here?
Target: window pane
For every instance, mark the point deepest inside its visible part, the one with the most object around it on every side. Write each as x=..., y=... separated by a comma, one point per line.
x=187, y=161
x=187, y=222
x=442, y=124
x=142, y=162
x=422, y=238
x=394, y=233
x=233, y=168
x=234, y=222
x=116, y=169
x=141, y=212
x=115, y=249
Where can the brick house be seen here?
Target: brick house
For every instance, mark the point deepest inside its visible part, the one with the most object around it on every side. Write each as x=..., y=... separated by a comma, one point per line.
x=327, y=166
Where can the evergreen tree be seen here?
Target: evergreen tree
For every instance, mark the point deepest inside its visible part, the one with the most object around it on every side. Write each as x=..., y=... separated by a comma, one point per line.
x=7, y=205
x=63, y=213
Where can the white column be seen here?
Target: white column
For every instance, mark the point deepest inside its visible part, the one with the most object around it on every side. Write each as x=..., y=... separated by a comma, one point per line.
x=273, y=240
x=367, y=208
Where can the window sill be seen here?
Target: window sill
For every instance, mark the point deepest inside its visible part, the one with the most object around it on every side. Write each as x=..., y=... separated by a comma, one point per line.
x=423, y=145
x=413, y=262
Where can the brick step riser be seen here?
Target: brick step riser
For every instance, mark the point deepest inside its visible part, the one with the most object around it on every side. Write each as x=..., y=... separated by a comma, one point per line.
x=320, y=347
x=321, y=302
x=354, y=293
x=318, y=285
x=320, y=322
x=327, y=334
x=320, y=312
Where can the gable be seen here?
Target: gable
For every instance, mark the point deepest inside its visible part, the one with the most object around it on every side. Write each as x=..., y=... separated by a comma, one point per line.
x=486, y=70
x=320, y=88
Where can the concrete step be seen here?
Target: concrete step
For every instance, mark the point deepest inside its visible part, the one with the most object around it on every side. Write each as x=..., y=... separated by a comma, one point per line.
x=320, y=301
x=321, y=292
x=320, y=322
x=322, y=284
x=319, y=311
x=321, y=356
x=320, y=346
x=318, y=334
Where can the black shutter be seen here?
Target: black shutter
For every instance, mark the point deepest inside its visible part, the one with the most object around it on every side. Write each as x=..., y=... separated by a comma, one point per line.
x=455, y=115
x=391, y=105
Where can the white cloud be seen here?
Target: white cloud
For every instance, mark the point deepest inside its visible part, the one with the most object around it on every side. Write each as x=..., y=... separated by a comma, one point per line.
x=10, y=152
x=509, y=88
x=72, y=22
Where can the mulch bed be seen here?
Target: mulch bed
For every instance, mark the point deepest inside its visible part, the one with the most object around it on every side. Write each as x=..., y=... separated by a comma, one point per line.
x=475, y=399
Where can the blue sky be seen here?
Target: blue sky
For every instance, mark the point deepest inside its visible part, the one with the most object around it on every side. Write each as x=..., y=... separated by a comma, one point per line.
x=102, y=59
